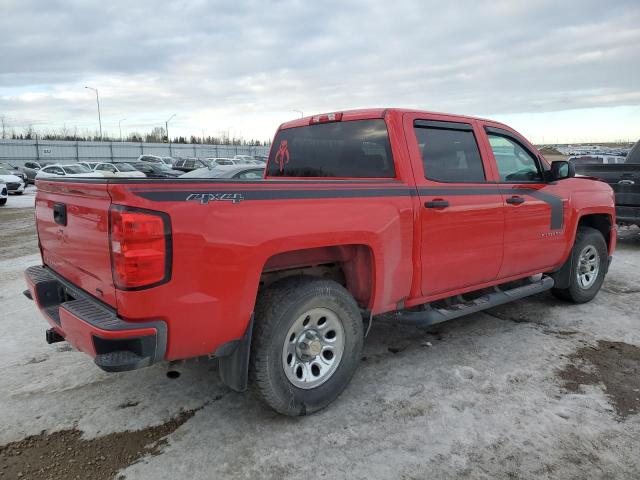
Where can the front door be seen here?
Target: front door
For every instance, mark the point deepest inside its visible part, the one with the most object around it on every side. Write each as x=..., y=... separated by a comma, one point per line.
x=461, y=213
x=535, y=237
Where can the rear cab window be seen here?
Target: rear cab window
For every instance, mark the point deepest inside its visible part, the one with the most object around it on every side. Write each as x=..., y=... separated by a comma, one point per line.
x=349, y=149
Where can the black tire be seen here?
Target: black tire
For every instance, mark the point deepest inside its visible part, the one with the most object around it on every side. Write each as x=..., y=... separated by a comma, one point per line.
x=277, y=309
x=3, y=201
x=577, y=293
x=19, y=193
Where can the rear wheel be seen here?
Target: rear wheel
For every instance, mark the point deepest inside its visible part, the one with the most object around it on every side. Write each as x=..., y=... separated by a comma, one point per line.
x=3, y=201
x=589, y=259
x=307, y=342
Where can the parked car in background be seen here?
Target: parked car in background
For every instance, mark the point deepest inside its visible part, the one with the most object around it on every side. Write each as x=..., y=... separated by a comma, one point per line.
x=14, y=183
x=14, y=169
x=168, y=160
x=597, y=159
x=31, y=169
x=89, y=165
x=189, y=164
x=34, y=165
x=221, y=161
x=71, y=170
x=150, y=158
x=246, y=158
x=3, y=194
x=118, y=169
x=156, y=170
x=240, y=172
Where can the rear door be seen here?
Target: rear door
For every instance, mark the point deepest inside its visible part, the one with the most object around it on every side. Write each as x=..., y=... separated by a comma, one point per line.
x=461, y=212
x=73, y=227
x=535, y=237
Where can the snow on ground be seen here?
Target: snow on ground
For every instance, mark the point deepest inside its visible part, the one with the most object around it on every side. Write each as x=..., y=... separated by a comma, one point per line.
x=26, y=200
x=476, y=397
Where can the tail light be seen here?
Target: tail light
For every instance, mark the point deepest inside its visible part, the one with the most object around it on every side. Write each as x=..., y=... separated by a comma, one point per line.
x=326, y=118
x=140, y=247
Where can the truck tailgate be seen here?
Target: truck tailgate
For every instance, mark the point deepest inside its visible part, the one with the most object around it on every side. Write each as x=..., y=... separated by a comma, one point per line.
x=624, y=178
x=73, y=227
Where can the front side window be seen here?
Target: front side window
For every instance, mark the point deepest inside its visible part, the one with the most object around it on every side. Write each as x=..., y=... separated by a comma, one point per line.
x=450, y=155
x=515, y=164
x=351, y=149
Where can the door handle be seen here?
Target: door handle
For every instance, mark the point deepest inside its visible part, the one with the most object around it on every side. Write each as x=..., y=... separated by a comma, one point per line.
x=437, y=203
x=515, y=200
x=60, y=214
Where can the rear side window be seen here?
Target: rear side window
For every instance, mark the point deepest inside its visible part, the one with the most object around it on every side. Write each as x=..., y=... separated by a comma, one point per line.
x=356, y=149
x=450, y=155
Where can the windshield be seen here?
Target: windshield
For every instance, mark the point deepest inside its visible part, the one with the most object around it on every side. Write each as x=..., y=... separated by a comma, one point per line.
x=71, y=169
x=125, y=167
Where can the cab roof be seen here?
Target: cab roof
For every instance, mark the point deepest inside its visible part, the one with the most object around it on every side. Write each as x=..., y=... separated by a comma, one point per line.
x=369, y=113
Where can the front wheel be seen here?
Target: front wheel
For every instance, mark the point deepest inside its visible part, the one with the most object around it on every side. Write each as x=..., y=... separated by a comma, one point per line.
x=589, y=259
x=3, y=201
x=307, y=342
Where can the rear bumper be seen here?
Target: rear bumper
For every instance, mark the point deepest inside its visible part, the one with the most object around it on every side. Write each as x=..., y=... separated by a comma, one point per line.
x=626, y=214
x=94, y=328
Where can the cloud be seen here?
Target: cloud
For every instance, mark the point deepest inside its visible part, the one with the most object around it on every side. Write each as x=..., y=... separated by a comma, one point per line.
x=247, y=65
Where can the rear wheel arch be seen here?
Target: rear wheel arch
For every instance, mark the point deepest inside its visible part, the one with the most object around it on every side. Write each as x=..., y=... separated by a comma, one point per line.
x=351, y=265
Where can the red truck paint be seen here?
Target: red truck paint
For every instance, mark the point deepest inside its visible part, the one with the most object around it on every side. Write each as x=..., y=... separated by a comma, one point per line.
x=394, y=252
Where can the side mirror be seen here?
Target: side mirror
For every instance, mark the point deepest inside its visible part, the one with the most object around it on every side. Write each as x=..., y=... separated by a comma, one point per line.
x=562, y=169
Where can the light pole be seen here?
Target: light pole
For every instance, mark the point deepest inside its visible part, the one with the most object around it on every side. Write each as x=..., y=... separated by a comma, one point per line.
x=98, y=102
x=166, y=127
x=120, y=127
x=299, y=111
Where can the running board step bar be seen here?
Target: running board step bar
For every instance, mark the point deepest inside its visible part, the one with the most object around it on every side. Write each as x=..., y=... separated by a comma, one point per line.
x=431, y=315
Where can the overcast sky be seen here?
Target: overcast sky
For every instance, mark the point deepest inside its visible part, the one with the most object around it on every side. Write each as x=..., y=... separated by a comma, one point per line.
x=555, y=70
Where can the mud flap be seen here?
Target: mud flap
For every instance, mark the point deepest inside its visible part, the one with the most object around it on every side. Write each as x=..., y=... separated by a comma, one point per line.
x=234, y=365
x=562, y=276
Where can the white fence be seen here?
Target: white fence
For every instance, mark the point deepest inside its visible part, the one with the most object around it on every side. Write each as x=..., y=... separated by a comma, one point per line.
x=20, y=151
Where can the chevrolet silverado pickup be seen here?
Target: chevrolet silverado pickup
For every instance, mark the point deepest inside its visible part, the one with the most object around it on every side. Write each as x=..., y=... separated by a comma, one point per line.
x=624, y=179
x=425, y=216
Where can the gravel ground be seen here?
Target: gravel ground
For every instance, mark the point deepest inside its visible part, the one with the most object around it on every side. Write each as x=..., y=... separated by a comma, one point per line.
x=534, y=389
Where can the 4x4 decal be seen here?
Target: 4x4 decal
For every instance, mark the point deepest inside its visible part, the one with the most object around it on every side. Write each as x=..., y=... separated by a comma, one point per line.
x=205, y=198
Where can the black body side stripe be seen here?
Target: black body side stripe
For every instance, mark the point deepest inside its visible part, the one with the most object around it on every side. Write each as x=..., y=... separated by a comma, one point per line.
x=556, y=203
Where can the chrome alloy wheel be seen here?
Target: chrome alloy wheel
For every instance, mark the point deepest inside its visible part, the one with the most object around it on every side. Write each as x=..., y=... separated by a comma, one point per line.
x=313, y=348
x=588, y=267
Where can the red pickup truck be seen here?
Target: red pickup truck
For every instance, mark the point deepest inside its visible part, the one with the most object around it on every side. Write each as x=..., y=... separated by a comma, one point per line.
x=427, y=215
